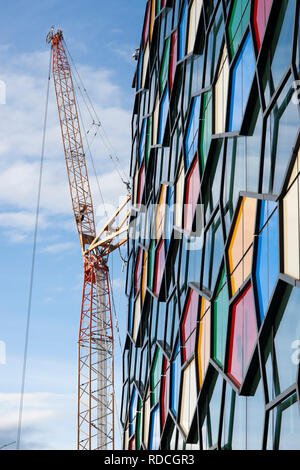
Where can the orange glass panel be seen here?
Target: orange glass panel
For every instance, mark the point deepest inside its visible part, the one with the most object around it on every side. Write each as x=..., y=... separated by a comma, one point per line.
x=240, y=250
x=161, y=212
x=204, y=340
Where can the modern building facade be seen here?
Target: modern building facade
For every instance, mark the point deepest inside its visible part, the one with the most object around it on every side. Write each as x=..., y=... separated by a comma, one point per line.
x=212, y=352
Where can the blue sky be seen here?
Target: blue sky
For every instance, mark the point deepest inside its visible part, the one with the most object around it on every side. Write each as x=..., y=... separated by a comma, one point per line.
x=101, y=36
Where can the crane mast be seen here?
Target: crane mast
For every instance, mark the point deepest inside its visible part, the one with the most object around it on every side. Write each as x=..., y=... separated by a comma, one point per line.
x=95, y=423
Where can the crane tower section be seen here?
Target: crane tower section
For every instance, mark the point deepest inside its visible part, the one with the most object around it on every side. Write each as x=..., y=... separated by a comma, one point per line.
x=95, y=343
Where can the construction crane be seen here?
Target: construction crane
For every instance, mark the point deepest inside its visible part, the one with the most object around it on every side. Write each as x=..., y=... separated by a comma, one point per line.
x=95, y=423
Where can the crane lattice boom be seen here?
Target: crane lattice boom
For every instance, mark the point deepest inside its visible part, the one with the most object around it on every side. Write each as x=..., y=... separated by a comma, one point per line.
x=95, y=344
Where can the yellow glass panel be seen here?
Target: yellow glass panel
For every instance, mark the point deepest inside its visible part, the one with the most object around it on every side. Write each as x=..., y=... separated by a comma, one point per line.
x=291, y=231
x=144, y=275
x=137, y=317
x=155, y=120
x=188, y=397
x=204, y=340
x=235, y=251
x=179, y=197
x=152, y=18
x=193, y=23
x=135, y=186
x=221, y=92
x=126, y=437
x=146, y=418
x=239, y=252
x=161, y=212
x=249, y=214
x=296, y=169
x=145, y=64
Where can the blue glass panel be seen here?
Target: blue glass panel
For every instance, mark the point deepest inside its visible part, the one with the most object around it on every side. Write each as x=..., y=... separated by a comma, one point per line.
x=175, y=380
x=192, y=132
x=139, y=70
x=142, y=141
x=267, y=261
x=182, y=31
x=242, y=77
x=154, y=440
x=130, y=313
x=163, y=115
x=132, y=411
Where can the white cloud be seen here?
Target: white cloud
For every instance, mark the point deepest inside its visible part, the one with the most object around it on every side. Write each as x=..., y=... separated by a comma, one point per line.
x=40, y=414
x=21, y=122
x=59, y=247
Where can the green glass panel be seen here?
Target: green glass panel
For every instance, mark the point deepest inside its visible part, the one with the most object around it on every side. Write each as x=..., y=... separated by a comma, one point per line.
x=206, y=127
x=220, y=317
x=165, y=66
x=156, y=377
x=238, y=22
x=151, y=264
x=138, y=425
x=148, y=139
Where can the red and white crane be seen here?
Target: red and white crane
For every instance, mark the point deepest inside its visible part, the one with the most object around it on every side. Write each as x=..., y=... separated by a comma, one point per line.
x=96, y=341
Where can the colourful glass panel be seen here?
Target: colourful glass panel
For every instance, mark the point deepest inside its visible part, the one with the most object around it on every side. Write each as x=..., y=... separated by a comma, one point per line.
x=175, y=380
x=173, y=60
x=151, y=264
x=141, y=183
x=267, y=267
x=261, y=13
x=182, y=30
x=238, y=22
x=163, y=115
x=206, y=127
x=220, y=321
x=192, y=195
x=156, y=376
x=203, y=340
x=242, y=76
x=160, y=266
x=189, y=324
x=191, y=139
x=154, y=439
x=240, y=247
x=165, y=65
x=165, y=391
x=146, y=24
x=138, y=271
x=161, y=213
x=243, y=336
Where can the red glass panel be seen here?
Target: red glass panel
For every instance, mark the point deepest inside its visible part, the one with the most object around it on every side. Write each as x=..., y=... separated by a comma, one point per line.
x=192, y=195
x=163, y=3
x=141, y=183
x=189, y=325
x=243, y=336
x=261, y=13
x=165, y=392
x=146, y=27
x=160, y=266
x=173, y=60
x=138, y=271
x=132, y=443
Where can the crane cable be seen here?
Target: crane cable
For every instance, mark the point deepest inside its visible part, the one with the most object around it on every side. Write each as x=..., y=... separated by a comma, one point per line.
x=97, y=122
x=37, y=213
x=91, y=157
